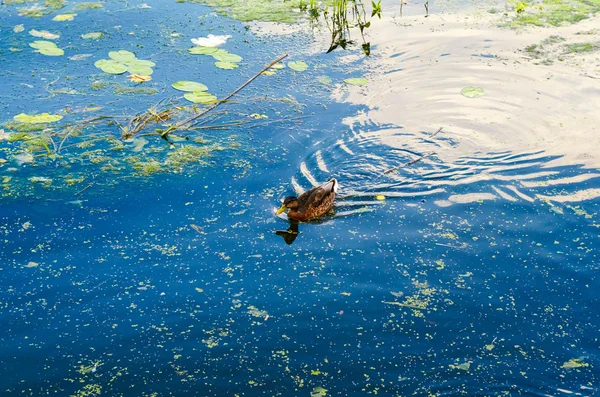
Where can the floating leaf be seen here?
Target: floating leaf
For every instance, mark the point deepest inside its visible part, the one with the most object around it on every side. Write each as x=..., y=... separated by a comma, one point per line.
x=268, y=73
x=140, y=69
x=464, y=366
x=92, y=36
x=203, y=50
x=226, y=65
x=64, y=17
x=44, y=34
x=18, y=28
x=574, y=363
x=472, y=92
x=189, y=86
x=380, y=197
x=122, y=56
x=318, y=392
x=138, y=79
x=356, y=81
x=228, y=57
x=325, y=80
x=278, y=66
x=298, y=66
x=39, y=44
x=51, y=51
x=200, y=97
x=110, y=66
x=140, y=62
x=37, y=118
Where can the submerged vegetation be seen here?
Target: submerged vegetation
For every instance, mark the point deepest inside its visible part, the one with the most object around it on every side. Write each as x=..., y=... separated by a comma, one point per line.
x=553, y=12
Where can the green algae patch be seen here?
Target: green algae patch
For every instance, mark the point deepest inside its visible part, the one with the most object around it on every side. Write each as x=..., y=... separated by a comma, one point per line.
x=148, y=167
x=186, y=155
x=37, y=118
x=123, y=90
x=87, y=6
x=578, y=48
x=256, y=10
x=553, y=12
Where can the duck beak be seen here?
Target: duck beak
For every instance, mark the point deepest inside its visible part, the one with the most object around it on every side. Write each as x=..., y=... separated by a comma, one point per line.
x=280, y=210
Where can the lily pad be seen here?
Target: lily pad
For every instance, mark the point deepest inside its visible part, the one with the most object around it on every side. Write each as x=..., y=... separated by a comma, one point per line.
x=92, y=36
x=226, y=65
x=325, y=80
x=64, y=17
x=298, y=66
x=356, y=81
x=41, y=118
x=44, y=34
x=122, y=56
x=472, y=92
x=200, y=97
x=189, y=86
x=140, y=70
x=140, y=62
x=228, y=57
x=51, y=51
x=203, y=50
x=18, y=28
x=110, y=66
x=39, y=44
x=278, y=66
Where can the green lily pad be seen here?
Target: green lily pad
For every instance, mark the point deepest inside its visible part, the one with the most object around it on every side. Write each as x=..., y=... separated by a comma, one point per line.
x=110, y=66
x=203, y=50
x=19, y=28
x=140, y=70
x=41, y=118
x=298, y=66
x=220, y=51
x=200, y=97
x=140, y=62
x=92, y=36
x=122, y=56
x=325, y=80
x=356, y=81
x=189, y=86
x=278, y=66
x=226, y=65
x=51, y=51
x=228, y=57
x=64, y=17
x=39, y=44
x=472, y=92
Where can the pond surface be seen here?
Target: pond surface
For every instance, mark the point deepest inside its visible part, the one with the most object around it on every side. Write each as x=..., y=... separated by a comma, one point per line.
x=462, y=258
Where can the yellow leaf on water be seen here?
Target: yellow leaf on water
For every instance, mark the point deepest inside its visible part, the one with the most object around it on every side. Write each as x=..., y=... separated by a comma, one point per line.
x=380, y=197
x=199, y=290
x=136, y=78
x=345, y=293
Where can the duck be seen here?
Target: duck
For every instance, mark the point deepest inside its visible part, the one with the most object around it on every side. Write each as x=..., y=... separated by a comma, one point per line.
x=311, y=204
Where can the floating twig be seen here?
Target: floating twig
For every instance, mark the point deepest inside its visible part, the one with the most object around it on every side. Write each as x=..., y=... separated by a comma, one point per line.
x=84, y=189
x=410, y=162
x=197, y=116
x=437, y=132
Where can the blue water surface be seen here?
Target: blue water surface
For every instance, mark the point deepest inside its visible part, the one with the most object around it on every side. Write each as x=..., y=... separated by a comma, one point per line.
x=175, y=284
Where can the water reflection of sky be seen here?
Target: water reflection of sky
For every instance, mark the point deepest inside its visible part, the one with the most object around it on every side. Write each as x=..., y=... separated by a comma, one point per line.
x=475, y=275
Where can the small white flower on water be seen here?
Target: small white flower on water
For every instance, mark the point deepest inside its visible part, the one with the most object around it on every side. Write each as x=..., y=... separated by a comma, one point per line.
x=211, y=40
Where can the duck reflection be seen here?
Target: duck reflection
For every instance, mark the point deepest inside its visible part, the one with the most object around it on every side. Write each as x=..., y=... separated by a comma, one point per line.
x=289, y=235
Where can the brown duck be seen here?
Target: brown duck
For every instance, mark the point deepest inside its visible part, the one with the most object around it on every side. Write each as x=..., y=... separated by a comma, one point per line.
x=311, y=204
